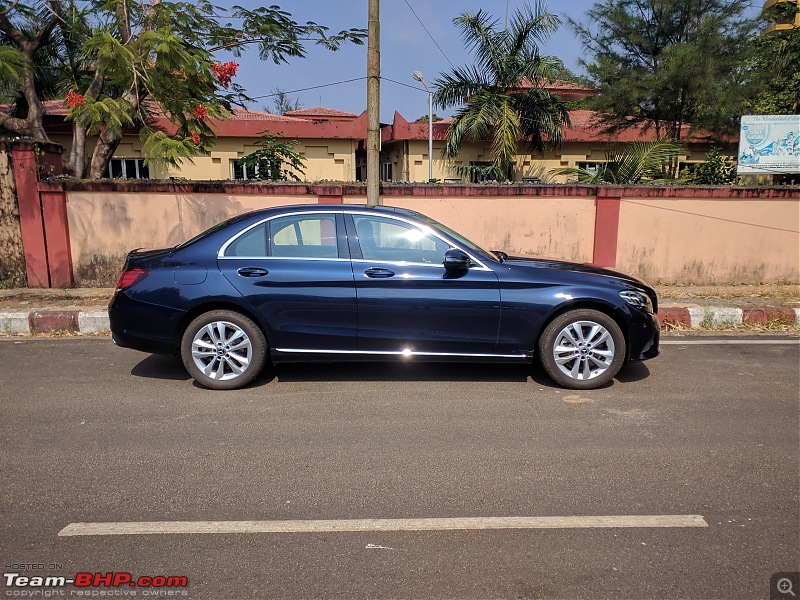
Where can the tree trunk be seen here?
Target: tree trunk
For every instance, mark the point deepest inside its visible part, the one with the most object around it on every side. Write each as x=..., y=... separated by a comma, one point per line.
x=107, y=144
x=77, y=155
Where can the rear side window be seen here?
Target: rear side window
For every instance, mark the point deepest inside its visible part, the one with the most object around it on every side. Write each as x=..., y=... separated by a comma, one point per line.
x=250, y=244
x=304, y=236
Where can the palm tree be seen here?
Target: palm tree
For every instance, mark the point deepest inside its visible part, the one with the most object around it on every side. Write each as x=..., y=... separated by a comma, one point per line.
x=630, y=164
x=502, y=93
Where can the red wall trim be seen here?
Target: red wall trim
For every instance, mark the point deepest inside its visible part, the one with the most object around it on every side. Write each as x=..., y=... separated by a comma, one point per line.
x=56, y=231
x=30, y=215
x=330, y=199
x=606, y=230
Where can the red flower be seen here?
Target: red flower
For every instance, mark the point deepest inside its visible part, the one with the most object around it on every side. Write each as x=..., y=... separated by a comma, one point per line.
x=195, y=138
x=224, y=72
x=200, y=112
x=74, y=99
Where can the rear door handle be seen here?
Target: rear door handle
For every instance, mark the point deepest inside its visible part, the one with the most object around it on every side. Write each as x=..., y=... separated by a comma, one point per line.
x=376, y=272
x=252, y=272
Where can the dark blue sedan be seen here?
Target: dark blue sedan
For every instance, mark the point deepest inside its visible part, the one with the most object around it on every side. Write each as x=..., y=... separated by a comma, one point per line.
x=324, y=283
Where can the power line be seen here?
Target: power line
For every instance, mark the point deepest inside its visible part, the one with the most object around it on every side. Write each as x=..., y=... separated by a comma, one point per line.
x=316, y=87
x=429, y=34
x=408, y=85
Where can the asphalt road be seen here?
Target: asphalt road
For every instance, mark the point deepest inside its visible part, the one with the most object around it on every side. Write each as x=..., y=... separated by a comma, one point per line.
x=94, y=433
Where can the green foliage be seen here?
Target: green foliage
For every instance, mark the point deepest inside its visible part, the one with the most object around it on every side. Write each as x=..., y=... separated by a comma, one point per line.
x=634, y=163
x=275, y=160
x=12, y=62
x=777, y=61
x=424, y=119
x=479, y=173
x=669, y=63
x=166, y=149
x=105, y=113
x=284, y=103
x=501, y=93
x=717, y=169
x=138, y=63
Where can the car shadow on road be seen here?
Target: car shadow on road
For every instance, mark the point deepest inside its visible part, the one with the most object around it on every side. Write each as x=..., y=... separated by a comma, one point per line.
x=158, y=366
x=399, y=371
x=170, y=368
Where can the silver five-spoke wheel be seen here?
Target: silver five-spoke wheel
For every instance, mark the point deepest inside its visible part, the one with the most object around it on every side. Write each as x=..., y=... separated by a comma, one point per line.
x=223, y=349
x=582, y=349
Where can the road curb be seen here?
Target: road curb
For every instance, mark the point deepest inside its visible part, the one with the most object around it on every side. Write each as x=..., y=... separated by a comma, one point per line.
x=43, y=322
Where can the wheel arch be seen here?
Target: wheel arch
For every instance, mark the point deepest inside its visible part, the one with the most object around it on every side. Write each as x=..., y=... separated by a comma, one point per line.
x=607, y=309
x=205, y=307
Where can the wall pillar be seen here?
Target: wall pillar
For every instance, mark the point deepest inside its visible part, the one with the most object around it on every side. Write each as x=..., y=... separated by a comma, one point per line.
x=31, y=160
x=328, y=194
x=606, y=230
x=56, y=233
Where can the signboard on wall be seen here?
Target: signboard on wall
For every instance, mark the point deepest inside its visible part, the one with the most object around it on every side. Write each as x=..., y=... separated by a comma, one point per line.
x=769, y=144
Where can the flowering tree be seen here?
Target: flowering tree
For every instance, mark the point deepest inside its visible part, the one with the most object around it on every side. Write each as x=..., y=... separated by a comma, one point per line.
x=127, y=64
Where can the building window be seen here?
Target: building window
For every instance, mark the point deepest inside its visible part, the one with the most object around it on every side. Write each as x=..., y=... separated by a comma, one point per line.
x=241, y=171
x=386, y=171
x=128, y=168
x=592, y=167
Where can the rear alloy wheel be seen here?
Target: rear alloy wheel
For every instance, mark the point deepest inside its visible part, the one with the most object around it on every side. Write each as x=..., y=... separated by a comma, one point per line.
x=223, y=350
x=582, y=349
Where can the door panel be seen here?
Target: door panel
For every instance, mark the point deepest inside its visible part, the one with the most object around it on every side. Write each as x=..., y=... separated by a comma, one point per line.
x=301, y=285
x=408, y=301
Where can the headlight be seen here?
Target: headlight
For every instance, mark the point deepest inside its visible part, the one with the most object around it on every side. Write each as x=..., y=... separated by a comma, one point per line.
x=638, y=299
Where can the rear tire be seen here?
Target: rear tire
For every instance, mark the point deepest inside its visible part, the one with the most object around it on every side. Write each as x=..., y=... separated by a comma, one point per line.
x=582, y=349
x=223, y=350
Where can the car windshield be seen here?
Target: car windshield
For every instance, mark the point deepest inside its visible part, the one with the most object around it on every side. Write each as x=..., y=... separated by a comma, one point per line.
x=468, y=244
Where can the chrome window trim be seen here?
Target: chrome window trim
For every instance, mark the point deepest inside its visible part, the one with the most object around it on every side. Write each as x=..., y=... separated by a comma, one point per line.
x=423, y=228
x=283, y=258
x=224, y=247
x=410, y=354
x=402, y=263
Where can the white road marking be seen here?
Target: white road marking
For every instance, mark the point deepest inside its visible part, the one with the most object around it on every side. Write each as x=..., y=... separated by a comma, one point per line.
x=702, y=342
x=356, y=525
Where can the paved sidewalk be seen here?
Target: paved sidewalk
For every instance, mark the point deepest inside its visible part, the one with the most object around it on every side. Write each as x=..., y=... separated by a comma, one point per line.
x=756, y=308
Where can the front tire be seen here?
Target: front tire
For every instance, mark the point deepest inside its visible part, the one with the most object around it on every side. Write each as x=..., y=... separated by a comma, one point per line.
x=223, y=350
x=582, y=349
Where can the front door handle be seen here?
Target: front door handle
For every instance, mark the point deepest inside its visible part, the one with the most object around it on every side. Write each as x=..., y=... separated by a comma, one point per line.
x=376, y=272
x=252, y=272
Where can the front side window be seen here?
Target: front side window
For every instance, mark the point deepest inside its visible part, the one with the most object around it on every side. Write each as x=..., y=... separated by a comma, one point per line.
x=304, y=236
x=389, y=240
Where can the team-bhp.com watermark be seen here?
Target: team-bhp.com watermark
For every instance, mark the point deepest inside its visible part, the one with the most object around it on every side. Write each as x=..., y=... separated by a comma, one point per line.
x=22, y=584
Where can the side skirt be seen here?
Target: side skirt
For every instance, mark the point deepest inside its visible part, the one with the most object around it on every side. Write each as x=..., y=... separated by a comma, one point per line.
x=303, y=355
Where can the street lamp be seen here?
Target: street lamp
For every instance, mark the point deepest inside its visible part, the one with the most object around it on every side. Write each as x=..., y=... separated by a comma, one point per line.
x=418, y=76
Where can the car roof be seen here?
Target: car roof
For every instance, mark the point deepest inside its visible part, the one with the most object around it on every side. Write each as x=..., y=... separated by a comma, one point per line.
x=337, y=207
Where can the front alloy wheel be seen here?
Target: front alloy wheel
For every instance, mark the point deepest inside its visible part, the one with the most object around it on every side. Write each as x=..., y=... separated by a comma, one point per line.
x=223, y=350
x=582, y=349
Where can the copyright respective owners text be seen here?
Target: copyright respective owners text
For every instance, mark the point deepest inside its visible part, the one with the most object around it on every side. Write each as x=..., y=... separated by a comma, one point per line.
x=49, y=580
x=784, y=585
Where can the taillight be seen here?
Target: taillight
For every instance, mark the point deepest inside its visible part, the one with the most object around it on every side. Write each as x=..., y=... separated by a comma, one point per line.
x=130, y=277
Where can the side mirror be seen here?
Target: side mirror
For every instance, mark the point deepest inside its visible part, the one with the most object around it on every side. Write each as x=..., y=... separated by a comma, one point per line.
x=456, y=259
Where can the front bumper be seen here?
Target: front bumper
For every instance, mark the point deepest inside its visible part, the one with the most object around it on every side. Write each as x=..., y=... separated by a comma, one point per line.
x=645, y=344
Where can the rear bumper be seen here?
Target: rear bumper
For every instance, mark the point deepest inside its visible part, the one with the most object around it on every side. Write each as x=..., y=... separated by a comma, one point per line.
x=143, y=326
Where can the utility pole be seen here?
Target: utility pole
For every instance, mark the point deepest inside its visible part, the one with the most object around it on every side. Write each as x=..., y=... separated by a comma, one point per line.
x=373, y=104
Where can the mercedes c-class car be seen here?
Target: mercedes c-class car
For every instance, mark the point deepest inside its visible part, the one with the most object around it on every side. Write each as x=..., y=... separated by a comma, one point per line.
x=343, y=282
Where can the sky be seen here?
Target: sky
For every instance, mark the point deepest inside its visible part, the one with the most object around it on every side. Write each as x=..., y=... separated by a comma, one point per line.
x=405, y=47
